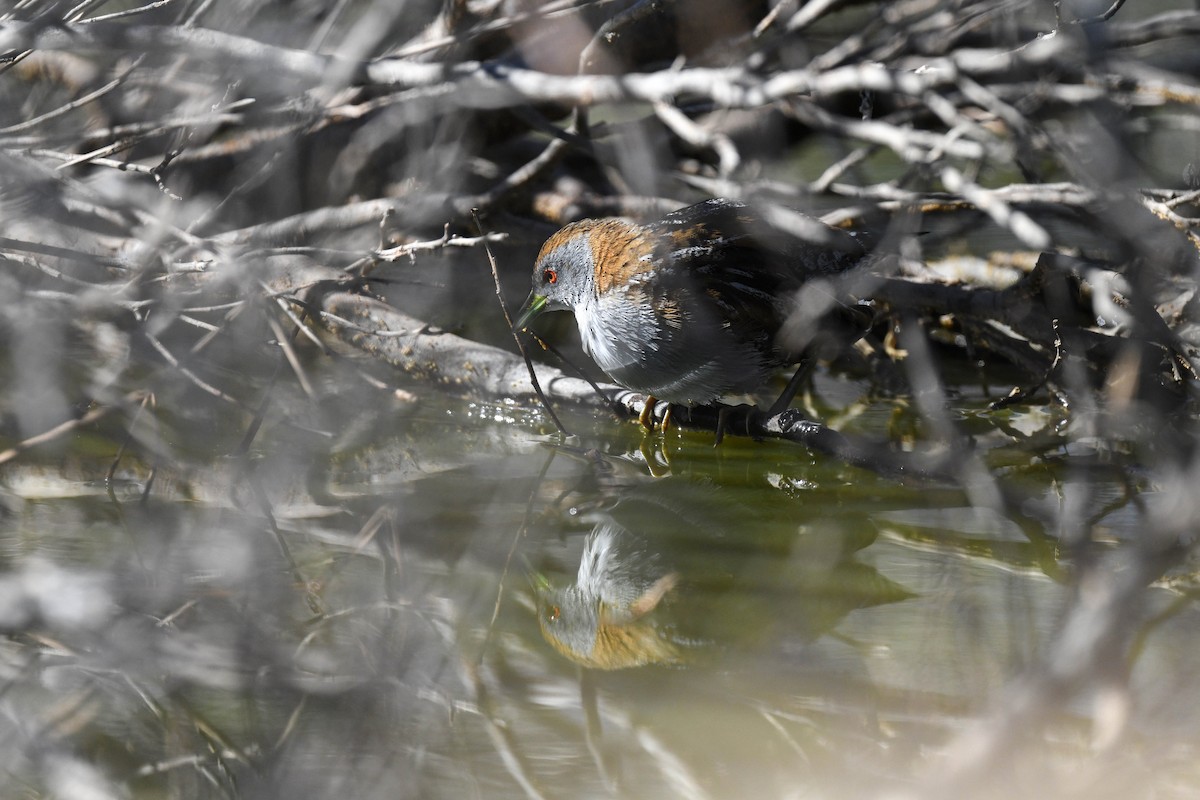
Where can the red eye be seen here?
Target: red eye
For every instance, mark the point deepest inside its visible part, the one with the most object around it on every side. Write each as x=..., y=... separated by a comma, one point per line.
x=550, y=276
x=553, y=612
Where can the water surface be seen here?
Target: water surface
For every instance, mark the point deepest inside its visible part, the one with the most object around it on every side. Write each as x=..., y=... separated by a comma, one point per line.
x=353, y=610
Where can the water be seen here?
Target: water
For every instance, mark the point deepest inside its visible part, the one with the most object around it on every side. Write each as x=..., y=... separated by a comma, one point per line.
x=354, y=612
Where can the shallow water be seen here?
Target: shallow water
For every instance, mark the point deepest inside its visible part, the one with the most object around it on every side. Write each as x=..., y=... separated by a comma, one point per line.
x=353, y=611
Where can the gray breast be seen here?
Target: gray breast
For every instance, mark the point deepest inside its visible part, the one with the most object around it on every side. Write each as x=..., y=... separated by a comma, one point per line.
x=694, y=363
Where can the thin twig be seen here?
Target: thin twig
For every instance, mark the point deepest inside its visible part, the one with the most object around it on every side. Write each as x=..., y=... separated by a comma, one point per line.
x=537, y=387
x=112, y=470
x=91, y=415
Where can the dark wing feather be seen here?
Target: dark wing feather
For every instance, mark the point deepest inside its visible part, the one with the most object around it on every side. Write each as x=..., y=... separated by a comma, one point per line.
x=742, y=269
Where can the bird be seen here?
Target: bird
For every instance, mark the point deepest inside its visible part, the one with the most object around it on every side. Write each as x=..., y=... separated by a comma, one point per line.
x=698, y=305
x=605, y=619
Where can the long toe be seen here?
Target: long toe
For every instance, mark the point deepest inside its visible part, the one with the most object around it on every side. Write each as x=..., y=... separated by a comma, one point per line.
x=646, y=418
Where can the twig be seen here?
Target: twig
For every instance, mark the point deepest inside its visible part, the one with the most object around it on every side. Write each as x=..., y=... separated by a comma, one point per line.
x=554, y=351
x=727, y=154
x=500, y=734
x=810, y=13
x=1024, y=228
x=446, y=240
x=112, y=470
x=91, y=415
x=191, y=376
x=537, y=387
x=289, y=352
x=128, y=13
x=512, y=549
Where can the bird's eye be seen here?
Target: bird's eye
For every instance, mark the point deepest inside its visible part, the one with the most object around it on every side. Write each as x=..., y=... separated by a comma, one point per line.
x=550, y=276
x=553, y=613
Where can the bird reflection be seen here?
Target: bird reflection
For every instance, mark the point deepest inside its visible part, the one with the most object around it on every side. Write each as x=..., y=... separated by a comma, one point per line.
x=677, y=572
x=606, y=619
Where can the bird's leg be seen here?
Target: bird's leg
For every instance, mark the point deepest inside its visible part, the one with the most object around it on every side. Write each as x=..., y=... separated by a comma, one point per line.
x=722, y=423
x=726, y=414
x=646, y=418
x=803, y=372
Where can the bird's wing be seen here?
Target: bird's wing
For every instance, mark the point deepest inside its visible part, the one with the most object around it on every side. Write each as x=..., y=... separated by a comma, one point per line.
x=746, y=269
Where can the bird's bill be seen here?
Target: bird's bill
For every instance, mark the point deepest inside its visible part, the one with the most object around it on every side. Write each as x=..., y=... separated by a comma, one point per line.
x=534, y=304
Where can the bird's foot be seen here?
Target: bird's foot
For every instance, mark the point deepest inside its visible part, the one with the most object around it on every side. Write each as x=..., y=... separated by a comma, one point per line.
x=733, y=418
x=646, y=418
x=655, y=414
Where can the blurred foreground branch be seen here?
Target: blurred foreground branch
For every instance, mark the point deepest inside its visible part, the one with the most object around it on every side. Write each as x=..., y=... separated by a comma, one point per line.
x=210, y=203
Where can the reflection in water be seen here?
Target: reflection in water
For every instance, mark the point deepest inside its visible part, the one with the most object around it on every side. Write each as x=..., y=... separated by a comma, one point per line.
x=740, y=603
x=676, y=569
x=605, y=620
